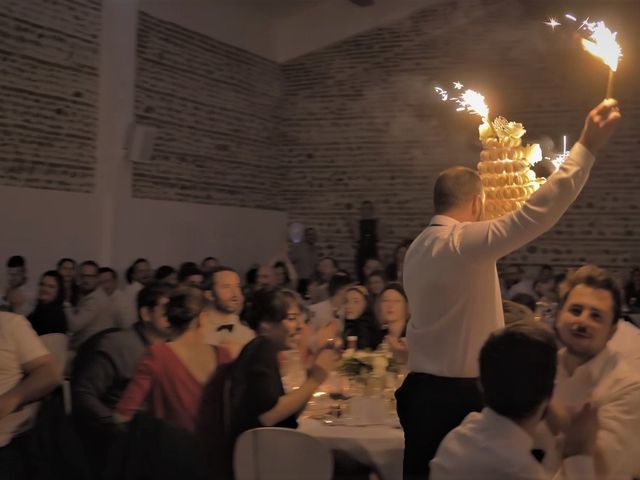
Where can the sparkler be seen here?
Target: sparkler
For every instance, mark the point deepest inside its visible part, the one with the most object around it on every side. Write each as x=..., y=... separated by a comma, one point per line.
x=601, y=43
x=469, y=101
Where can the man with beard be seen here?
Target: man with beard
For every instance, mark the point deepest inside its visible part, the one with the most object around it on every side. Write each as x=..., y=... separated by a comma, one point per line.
x=225, y=290
x=94, y=311
x=589, y=372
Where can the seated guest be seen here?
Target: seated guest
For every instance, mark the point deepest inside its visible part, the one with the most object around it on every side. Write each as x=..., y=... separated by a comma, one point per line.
x=318, y=289
x=208, y=264
x=286, y=275
x=66, y=267
x=589, y=372
x=27, y=373
x=249, y=392
x=48, y=316
x=514, y=281
x=109, y=281
x=94, y=311
x=326, y=319
x=393, y=315
x=266, y=278
x=375, y=284
x=225, y=328
x=18, y=297
x=371, y=265
x=190, y=275
x=98, y=384
x=395, y=269
x=359, y=320
x=138, y=275
x=103, y=370
x=517, y=371
x=171, y=375
x=166, y=274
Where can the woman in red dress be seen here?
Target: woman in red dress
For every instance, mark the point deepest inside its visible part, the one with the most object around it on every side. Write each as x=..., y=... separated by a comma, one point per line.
x=171, y=375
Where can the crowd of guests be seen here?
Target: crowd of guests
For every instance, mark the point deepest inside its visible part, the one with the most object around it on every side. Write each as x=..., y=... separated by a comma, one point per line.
x=165, y=373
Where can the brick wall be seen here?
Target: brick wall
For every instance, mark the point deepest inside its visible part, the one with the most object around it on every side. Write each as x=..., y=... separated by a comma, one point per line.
x=214, y=106
x=48, y=83
x=360, y=121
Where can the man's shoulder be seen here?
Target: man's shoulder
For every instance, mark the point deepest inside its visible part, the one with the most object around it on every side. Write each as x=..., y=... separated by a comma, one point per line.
x=12, y=322
x=113, y=341
x=619, y=379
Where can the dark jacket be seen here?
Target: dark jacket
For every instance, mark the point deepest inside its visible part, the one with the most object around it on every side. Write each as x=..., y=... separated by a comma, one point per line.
x=102, y=374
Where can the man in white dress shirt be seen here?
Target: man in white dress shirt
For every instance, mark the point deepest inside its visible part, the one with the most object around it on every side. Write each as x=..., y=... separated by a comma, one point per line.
x=454, y=294
x=517, y=371
x=588, y=371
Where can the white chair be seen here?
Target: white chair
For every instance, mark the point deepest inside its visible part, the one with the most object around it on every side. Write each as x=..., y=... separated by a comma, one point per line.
x=281, y=454
x=58, y=346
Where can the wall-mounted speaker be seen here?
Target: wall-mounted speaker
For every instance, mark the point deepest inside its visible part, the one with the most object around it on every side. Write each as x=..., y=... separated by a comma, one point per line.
x=140, y=142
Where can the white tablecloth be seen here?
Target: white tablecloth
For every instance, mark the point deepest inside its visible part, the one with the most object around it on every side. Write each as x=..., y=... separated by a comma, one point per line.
x=378, y=446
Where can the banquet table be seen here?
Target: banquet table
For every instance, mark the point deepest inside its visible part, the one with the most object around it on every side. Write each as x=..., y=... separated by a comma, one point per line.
x=379, y=446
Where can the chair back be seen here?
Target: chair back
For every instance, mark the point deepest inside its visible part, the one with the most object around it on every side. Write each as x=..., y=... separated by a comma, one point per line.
x=58, y=345
x=281, y=454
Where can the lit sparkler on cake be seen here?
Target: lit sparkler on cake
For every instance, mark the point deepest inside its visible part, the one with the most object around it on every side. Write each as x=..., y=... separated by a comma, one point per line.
x=505, y=163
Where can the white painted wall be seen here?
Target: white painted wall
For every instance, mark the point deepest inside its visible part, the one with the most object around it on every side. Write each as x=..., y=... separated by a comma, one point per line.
x=109, y=225
x=330, y=21
x=235, y=22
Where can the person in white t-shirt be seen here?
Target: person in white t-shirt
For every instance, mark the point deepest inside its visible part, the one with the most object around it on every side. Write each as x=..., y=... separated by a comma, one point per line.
x=27, y=373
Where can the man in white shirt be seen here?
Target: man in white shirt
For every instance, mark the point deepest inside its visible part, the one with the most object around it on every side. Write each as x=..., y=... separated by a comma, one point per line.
x=224, y=288
x=454, y=294
x=27, y=373
x=517, y=372
x=589, y=372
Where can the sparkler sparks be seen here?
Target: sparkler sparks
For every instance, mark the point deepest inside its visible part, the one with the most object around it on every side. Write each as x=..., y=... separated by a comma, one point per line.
x=553, y=23
x=470, y=100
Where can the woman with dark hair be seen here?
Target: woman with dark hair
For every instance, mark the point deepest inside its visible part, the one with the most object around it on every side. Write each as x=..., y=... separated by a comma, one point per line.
x=393, y=315
x=249, y=393
x=359, y=320
x=172, y=375
x=48, y=316
x=66, y=267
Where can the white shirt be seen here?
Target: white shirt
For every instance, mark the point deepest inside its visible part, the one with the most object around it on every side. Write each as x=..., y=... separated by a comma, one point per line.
x=19, y=345
x=126, y=305
x=488, y=446
x=93, y=314
x=232, y=331
x=626, y=341
x=451, y=279
x=609, y=383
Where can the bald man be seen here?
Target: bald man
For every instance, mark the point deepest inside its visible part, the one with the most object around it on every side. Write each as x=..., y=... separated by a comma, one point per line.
x=451, y=281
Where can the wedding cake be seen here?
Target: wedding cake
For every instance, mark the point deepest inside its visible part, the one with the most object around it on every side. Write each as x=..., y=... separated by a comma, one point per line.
x=505, y=167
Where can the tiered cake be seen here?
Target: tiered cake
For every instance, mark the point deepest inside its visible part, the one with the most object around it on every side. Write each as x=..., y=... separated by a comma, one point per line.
x=505, y=167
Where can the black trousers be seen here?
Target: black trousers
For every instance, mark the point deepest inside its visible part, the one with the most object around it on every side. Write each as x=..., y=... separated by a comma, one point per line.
x=429, y=407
